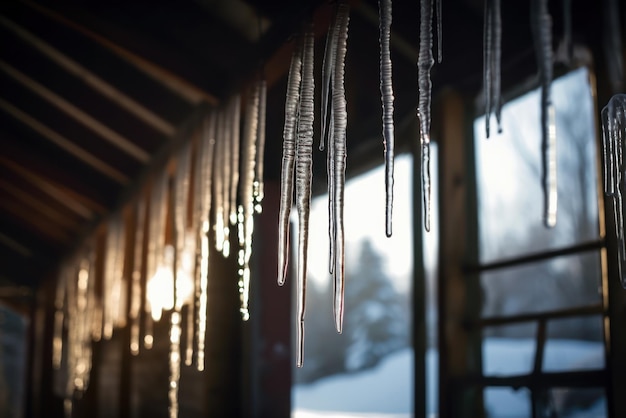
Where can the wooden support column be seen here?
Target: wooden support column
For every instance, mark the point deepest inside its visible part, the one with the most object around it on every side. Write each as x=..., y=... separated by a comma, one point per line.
x=458, y=293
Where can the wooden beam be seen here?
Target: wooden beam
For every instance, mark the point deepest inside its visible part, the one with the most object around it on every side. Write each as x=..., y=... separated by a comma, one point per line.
x=45, y=211
x=32, y=220
x=174, y=83
x=63, y=142
x=459, y=294
x=59, y=102
x=15, y=245
x=61, y=195
x=90, y=78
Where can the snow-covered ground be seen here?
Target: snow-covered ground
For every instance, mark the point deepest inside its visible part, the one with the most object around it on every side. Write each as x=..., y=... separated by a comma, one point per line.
x=386, y=391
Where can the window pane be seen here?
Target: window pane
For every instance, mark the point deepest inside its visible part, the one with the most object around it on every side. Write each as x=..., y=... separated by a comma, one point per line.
x=510, y=198
x=367, y=370
x=557, y=283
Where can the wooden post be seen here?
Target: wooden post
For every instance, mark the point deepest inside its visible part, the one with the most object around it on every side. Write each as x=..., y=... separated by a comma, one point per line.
x=458, y=294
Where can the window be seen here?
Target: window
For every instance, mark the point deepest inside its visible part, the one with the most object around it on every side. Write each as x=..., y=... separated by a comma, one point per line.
x=542, y=306
x=369, y=368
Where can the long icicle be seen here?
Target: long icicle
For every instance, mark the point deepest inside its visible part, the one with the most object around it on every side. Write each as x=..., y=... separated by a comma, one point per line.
x=208, y=152
x=613, y=136
x=246, y=193
x=304, y=163
x=439, y=31
x=328, y=82
x=288, y=160
x=59, y=317
x=386, y=92
x=234, y=154
x=340, y=121
x=218, y=182
x=135, y=298
x=258, y=192
x=542, y=36
x=328, y=67
x=487, y=62
x=497, y=63
x=425, y=62
x=492, y=54
x=226, y=158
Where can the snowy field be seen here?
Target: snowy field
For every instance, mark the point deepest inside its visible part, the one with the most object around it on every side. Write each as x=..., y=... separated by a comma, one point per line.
x=385, y=392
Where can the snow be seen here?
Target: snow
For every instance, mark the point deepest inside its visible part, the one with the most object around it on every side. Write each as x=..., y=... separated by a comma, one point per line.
x=386, y=391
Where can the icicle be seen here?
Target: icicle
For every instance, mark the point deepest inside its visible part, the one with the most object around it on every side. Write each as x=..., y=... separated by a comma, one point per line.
x=246, y=196
x=57, y=340
x=497, y=62
x=330, y=173
x=386, y=92
x=487, y=62
x=492, y=52
x=113, y=281
x=258, y=192
x=424, y=63
x=234, y=152
x=226, y=163
x=304, y=163
x=328, y=68
x=203, y=184
x=288, y=160
x=439, y=32
x=542, y=36
x=135, y=305
x=613, y=45
x=218, y=184
x=613, y=136
x=340, y=120
x=174, y=363
x=79, y=295
x=328, y=82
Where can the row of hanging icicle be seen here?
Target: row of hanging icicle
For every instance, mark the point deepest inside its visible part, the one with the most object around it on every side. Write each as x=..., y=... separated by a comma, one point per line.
x=162, y=263
x=298, y=128
x=218, y=185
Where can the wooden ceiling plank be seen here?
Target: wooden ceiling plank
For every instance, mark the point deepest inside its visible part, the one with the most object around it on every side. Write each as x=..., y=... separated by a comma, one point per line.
x=15, y=245
x=96, y=126
x=37, y=205
x=90, y=78
x=29, y=219
x=177, y=85
x=63, y=142
x=58, y=194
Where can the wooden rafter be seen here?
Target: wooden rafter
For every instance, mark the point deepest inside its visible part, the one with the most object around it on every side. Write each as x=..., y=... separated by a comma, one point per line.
x=44, y=210
x=63, y=142
x=15, y=245
x=91, y=79
x=61, y=195
x=32, y=220
x=174, y=83
x=87, y=120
